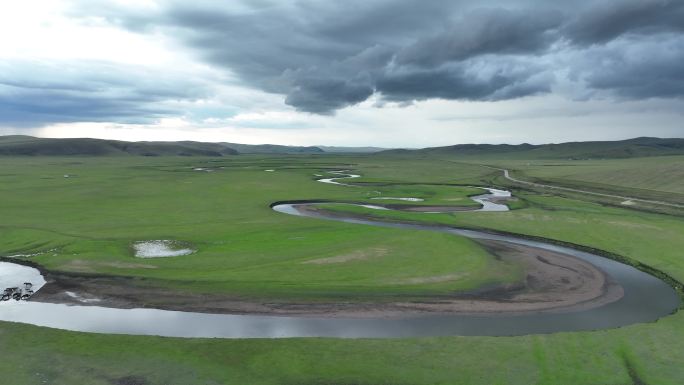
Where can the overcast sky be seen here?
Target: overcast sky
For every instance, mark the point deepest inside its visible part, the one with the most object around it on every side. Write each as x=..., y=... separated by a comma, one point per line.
x=399, y=73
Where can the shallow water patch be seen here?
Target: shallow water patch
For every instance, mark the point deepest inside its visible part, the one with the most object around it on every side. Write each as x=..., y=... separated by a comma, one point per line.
x=19, y=280
x=12, y=274
x=161, y=248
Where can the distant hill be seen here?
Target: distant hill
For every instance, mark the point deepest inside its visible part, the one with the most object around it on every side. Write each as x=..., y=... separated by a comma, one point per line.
x=18, y=145
x=358, y=150
x=30, y=146
x=631, y=148
x=271, y=149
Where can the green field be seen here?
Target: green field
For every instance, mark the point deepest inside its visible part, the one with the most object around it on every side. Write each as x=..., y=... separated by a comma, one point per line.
x=87, y=222
x=662, y=174
x=658, y=178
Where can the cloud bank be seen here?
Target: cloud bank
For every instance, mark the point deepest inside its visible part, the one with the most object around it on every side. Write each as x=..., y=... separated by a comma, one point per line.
x=324, y=56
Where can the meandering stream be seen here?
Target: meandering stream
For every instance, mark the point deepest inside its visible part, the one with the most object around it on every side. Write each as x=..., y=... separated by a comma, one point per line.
x=645, y=299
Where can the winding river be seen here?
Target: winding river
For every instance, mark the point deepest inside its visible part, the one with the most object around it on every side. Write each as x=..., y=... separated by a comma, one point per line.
x=645, y=299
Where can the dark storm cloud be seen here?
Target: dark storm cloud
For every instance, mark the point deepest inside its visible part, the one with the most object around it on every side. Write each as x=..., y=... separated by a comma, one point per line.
x=471, y=80
x=636, y=70
x=262, y=45
x=324, y=56
x=603, y=21
x=33, y=95
x=483, y=31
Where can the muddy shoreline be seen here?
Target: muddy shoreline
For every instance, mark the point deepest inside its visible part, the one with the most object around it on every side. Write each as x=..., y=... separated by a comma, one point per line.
x=676, y=284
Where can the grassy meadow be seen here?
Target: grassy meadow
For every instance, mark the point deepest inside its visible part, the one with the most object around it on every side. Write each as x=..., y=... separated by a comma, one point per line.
x=657, y=178
x=86, y=223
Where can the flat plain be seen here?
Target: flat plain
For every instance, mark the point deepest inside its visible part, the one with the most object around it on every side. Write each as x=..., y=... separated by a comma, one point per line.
x=79, y=217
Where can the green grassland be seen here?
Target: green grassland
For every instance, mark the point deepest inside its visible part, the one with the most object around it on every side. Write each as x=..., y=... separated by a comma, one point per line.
x=653, y=239
x=657, y=178
x=664, y=174
x=432, y=195
x=88, y=221
x=620, y=149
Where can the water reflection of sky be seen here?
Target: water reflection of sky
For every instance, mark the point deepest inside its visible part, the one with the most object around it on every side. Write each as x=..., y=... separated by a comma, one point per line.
x=181, y=324
x=14, y=275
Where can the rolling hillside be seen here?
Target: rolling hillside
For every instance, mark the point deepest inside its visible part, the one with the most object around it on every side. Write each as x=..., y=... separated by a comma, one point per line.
x=21, y=145
x=631, y=148
x=347, y=150
x=271, y=149
x=18, y=145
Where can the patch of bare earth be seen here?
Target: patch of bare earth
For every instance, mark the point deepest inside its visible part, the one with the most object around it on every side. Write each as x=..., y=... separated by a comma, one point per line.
x=553, y=282
x=85, y=266
x=358, y=255
x=431, y=279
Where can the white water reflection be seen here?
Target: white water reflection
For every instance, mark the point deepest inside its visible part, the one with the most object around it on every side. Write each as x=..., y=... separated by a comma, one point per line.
x=15, y=275
x=160, y=248
x=489, y=201
x=342, y=175
x=400, y=199
x=373, y=207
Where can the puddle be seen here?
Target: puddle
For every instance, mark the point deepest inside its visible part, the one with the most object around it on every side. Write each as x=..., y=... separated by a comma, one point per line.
x=161, y=248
